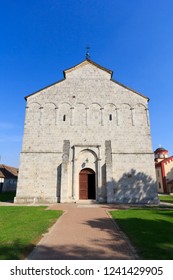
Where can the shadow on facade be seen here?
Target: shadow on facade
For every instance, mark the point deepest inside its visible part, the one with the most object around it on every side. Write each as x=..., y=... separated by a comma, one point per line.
x=133, y=187
x=58, y=191
x=169, y=174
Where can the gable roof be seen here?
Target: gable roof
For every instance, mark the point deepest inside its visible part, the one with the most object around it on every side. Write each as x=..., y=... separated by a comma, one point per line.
x=8, y=172
x=84, y=62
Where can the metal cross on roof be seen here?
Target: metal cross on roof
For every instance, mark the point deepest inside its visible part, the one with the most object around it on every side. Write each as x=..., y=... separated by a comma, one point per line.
x=87, y=52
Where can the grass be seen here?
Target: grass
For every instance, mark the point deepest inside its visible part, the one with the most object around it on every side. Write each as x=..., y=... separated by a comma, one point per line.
x=166, y=198
x=7, y=196
x=21, y=228
x=150, y=231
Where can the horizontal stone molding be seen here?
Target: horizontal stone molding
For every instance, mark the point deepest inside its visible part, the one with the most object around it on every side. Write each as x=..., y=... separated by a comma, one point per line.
x=28, y=152
x=143, y=153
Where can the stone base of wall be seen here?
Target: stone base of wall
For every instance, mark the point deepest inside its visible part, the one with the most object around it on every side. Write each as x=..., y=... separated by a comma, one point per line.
x=29, y=200
x=148, y=200
x=113, y=200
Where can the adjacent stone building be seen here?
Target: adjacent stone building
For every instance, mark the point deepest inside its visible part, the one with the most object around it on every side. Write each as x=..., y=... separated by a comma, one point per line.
x=87, y=137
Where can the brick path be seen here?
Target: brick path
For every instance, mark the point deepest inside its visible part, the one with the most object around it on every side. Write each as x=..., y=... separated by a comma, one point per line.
x=83, y=232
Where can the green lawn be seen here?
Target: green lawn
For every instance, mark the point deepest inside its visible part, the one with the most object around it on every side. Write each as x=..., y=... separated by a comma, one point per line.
x=21, y=227
x=150, y=231
x=166, y=198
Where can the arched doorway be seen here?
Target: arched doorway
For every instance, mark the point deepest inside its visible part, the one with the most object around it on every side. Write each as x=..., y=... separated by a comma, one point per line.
x=87, y=184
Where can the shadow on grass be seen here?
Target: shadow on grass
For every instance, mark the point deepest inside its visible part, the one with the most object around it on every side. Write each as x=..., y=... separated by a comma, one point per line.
x=15, y=250
x=152, y=238
x=107, y=244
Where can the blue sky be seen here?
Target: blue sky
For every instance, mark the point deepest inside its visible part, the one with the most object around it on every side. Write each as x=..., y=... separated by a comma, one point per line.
x=41, y=38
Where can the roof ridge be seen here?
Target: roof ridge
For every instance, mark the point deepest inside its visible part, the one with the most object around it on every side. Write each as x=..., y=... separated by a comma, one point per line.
x=90, y=61
x=4, y=165
x=95, y=64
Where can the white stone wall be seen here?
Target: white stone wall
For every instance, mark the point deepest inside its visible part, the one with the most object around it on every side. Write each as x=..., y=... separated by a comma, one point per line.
x=87, y=108
x=132, y=182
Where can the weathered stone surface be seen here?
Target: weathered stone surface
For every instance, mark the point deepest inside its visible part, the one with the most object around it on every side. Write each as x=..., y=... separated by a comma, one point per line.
x=87, y=120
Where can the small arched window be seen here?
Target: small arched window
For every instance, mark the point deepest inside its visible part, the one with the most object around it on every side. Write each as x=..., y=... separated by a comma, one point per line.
x=64, y=118
x=110, y=117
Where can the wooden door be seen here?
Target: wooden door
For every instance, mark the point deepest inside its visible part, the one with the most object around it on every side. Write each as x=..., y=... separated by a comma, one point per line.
x=87, y=184
x=83, y=185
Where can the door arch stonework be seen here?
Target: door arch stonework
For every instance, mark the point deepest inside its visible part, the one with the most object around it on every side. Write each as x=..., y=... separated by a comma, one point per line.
x=85, y=157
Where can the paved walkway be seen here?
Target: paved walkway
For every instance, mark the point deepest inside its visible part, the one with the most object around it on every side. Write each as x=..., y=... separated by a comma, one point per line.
x=83, y=232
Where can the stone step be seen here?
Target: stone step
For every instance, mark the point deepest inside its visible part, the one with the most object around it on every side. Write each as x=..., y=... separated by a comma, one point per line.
x=86, y=201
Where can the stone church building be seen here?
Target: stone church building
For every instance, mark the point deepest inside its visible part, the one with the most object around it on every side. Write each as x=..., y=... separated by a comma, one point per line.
x=87, y=137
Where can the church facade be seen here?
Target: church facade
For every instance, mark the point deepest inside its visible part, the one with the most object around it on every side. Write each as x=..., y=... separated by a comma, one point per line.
x=87, y=137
